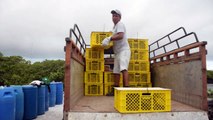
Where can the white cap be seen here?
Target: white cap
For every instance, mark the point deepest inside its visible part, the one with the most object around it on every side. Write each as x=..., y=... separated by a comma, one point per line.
x=116, y=12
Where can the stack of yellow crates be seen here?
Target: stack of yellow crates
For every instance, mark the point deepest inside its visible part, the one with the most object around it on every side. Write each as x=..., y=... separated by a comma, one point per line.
x=135, y=99
x=139, y=66
x=109, y=81
x=95, y=64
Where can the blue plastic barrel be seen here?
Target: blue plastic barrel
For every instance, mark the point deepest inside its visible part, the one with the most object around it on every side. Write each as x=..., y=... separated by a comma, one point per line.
x=19, y=102
x=41, y=100
x=59, y=93
x=7, y=103
x=46, y=98
x=30, y=101
x=52, y=98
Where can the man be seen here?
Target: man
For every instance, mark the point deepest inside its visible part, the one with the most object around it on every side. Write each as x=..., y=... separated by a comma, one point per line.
x=121, y=49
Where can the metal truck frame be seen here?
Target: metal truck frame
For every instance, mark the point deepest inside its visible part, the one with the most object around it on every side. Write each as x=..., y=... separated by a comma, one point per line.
x=182, y=69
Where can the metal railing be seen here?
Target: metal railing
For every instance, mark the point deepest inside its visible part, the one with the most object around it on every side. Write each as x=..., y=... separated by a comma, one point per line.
x=79, y=38
x=170, y=41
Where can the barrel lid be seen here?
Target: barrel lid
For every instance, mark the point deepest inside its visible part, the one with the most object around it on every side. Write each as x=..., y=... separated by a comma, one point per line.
x=28, y=86
x=6, y=88
x=42, y=86
x=53, y=83
x=58, y=83
x=16, y=86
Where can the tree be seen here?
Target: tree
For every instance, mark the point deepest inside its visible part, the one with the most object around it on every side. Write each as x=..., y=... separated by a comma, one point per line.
x=209, y=74
x=15, y=70
x=1, y=54
x=53, y=69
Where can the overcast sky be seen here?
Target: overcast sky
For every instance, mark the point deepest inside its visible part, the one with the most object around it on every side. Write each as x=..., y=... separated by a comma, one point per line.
x=36, y=29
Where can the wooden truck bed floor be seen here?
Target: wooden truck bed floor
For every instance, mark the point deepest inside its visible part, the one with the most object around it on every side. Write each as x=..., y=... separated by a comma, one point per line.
x=106, y=104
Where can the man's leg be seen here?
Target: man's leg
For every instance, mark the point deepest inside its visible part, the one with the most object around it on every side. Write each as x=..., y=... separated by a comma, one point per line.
x=116, y=84
x=125, y=78
x=116, y=79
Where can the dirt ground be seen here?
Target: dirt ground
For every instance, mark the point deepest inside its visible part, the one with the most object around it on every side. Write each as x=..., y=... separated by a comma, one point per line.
x=54, y=113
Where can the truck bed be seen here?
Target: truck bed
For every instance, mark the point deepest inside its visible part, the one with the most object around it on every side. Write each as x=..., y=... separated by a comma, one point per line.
x=106, y=104
x=182, y=69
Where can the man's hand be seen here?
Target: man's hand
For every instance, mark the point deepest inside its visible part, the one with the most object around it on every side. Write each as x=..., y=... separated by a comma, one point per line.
x=106, y=41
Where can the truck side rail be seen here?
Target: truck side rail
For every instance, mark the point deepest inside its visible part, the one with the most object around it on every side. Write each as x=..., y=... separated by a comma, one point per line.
x=80, y=42
x=74, y=69
x=180, y=55
x=171, y=41
x=183, y=70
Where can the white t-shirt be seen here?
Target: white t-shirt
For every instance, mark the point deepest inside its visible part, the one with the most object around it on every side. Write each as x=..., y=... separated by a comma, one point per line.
x=120, y=45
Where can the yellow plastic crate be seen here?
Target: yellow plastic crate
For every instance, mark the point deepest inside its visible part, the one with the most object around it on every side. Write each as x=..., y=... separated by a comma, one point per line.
x=138, y=44
x=139, y=55
x=93, y=89
x=93, y=77
x=108, y=87
x=109, y=78
x=136, y=100
x=98, y=37
x=139, y=66
x=140, y=85
x=94, y=54
x=95, y=65
x=139, y=77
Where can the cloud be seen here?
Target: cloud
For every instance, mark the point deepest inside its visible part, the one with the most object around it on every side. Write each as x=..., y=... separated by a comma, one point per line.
x=36, y=29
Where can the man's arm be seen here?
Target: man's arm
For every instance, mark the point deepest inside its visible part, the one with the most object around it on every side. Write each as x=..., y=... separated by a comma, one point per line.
x=117, y=36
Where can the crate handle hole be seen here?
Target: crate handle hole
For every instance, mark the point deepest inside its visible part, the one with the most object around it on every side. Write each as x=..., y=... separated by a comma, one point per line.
x=146, y=93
